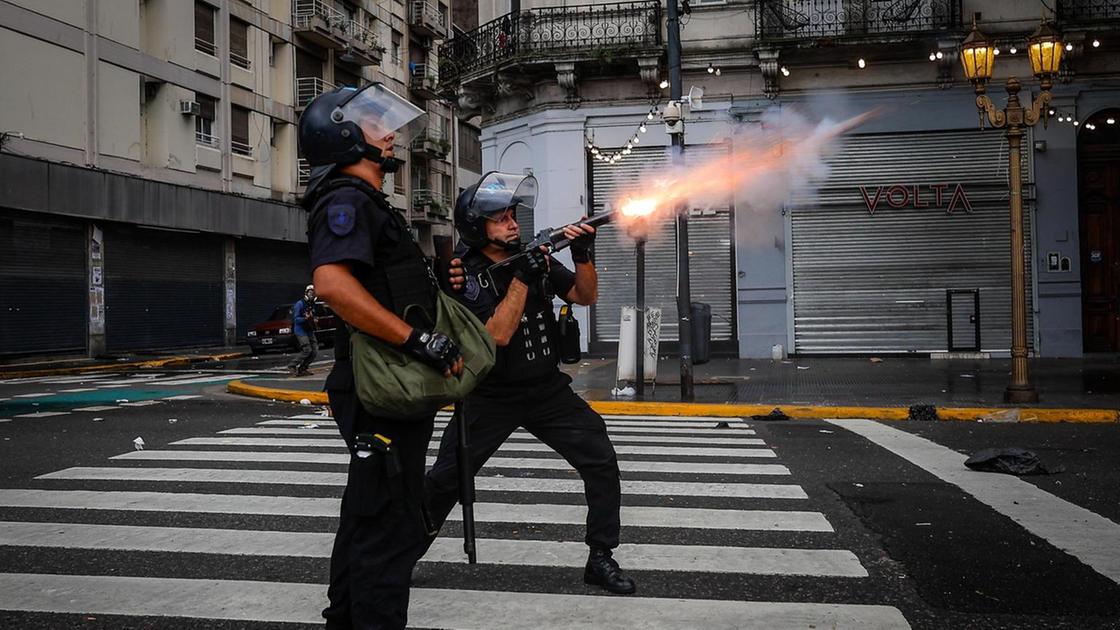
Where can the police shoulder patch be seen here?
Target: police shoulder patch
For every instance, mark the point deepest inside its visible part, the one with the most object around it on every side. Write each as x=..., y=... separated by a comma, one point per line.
x=341, y=219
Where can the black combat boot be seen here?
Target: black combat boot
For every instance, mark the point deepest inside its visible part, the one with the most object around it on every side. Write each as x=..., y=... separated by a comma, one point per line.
x=602, y=570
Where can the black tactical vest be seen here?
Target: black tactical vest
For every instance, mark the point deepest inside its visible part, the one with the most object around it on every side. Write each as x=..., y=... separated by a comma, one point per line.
x=530, y=357
x=400, y=276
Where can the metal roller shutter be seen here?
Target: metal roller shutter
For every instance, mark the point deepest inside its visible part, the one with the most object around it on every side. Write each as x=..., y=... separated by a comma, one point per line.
x=163, y=289
x=268, y=273
x=709, y=231
x=43, y=283
x=877, y=282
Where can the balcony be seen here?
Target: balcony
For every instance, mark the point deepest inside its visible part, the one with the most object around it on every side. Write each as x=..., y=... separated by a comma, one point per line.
x=303, y=172
x=365, y=46
x=596, y=33
x=423, y=81
x=326, y=26
x=1088, y=13
x=430, y=202
x=307, y=88
x=427, y=20
x=812, y=22
x=431, y=143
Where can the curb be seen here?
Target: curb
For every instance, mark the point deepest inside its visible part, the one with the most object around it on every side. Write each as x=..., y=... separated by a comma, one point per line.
x=799, y=412
x=114, y=367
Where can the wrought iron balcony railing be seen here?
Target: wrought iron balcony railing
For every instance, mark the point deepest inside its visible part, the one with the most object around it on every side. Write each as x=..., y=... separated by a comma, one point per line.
x=307, y=88
x=303, y=171
x=363, y=36
x=243, y=149
x=207, y=140
x=305, y=12
x=423, y=80
x=428, y=18
x=553, y=32
x=1087, y=12
x=777, y=20
x=430, y=201
x=431, y=141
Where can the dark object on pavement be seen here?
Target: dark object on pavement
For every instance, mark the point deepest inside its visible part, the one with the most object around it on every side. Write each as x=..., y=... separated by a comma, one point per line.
x=776, y=414
x=924, y=413
x=1010, y=460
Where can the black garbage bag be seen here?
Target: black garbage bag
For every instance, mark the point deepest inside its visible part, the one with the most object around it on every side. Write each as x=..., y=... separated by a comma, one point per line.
x=776, y=414
x=925, y=413
x=1011, y=460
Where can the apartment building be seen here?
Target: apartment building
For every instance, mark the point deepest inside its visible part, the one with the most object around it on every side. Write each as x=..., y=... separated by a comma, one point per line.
x=903, y=247
x=148, y=160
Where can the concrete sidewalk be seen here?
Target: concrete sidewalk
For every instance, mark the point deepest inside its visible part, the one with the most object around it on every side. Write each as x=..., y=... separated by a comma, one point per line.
x=1070, y=389
x=51, y=366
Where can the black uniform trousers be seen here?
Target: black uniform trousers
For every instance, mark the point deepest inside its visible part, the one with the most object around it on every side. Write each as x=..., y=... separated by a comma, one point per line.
x=556, y=416
x=382, y=530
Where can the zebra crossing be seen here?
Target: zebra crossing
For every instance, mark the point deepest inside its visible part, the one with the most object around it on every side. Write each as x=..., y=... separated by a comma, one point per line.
x=703, y=498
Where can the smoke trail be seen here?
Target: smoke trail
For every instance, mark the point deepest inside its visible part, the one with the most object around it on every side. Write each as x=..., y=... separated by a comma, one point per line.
x=769, y=163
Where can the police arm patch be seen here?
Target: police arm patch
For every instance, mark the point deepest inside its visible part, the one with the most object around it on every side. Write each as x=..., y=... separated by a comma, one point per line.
x=341, y=219
x=471, y=288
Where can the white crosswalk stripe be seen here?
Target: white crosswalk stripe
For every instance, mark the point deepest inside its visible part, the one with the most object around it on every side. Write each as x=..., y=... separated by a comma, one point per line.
x=768, y=561
x=699, y=468
x=501, y=484
x=714, y=475
x=282, y=602
x=616, y=437
x=508, y=446
x=613, y=427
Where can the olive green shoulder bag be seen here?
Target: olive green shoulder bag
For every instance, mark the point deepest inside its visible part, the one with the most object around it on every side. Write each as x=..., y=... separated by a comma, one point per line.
x=390, y=382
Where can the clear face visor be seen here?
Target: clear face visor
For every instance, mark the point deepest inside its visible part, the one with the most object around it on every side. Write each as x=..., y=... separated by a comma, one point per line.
x=379, y=112
x=498, y=191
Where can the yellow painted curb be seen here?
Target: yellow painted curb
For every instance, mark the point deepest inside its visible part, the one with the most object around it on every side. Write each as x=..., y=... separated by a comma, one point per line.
x=800, y=412
x=116, y=367
x=275, y=393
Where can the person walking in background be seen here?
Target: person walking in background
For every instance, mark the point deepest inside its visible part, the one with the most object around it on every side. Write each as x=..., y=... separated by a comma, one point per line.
x=303, y=327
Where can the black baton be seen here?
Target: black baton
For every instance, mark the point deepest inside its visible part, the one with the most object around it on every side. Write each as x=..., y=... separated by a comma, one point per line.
x=466, y=482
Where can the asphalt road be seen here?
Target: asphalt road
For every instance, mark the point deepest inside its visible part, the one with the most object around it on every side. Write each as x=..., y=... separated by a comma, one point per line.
x=794, y=524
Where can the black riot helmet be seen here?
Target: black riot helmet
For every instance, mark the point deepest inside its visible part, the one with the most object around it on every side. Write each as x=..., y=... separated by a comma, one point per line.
x=334, y=129
x=489, y=197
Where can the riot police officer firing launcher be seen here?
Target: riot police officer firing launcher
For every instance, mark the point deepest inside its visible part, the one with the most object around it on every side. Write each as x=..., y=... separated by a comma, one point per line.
x=526, y=387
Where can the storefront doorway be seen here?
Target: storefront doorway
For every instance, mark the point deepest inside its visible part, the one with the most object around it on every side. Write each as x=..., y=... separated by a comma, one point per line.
x=1098, y=163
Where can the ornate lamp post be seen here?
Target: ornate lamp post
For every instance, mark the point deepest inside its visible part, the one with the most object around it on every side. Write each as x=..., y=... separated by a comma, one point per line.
x=978, y=57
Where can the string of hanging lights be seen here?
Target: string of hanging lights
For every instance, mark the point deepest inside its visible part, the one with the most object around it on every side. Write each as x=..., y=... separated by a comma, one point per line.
x=598, y=153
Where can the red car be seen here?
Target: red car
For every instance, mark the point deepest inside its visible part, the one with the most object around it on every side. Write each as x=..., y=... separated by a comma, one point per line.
x=276, y=331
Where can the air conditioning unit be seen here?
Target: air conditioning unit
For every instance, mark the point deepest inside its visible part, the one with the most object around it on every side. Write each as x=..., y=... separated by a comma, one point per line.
x=190, y=108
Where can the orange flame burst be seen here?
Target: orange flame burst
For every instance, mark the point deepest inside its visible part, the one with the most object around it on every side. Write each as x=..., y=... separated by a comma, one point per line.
x=759, y=168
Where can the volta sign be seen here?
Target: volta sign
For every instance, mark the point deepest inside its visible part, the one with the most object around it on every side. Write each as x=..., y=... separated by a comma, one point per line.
x=950, y=197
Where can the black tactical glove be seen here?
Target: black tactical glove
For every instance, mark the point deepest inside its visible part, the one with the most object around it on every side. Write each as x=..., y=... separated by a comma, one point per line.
x=433, y=348
x=531, y=266
x=581, y=247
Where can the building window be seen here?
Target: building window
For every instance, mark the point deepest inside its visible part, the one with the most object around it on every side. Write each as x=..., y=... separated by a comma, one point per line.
x=396, y=50
x=239, y=132
x=204, y=122
x=470, y=148
x=343, y=77
x=204, y=15
x=239, y=44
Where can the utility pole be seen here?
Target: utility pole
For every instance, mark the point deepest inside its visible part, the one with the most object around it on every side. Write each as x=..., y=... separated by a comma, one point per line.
x=684, y=290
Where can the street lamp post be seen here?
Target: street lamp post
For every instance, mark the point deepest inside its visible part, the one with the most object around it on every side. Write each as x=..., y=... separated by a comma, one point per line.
x=978, y=57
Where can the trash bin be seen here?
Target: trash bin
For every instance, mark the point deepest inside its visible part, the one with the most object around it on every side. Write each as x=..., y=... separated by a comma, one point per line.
x=701, y=333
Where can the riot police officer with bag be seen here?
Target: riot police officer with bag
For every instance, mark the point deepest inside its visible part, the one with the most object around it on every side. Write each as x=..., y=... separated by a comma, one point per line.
x=526, y=387
x=367, y=265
